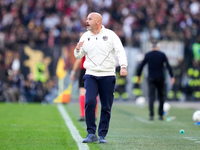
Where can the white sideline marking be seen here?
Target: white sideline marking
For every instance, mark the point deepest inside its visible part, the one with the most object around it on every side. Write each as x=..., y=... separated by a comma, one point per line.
x=74, y=132
x=142, y=120
x=192, y=139
x=187, y=137
x=197, y=141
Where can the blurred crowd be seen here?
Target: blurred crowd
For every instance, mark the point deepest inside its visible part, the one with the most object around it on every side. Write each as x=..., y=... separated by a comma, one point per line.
x=58, y=22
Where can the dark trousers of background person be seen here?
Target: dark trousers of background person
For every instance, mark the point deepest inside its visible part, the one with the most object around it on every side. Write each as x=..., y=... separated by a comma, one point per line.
x=156, y=85
x=104, y=86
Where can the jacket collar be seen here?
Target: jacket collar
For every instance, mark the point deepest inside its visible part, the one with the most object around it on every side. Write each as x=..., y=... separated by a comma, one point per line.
x=102, y=29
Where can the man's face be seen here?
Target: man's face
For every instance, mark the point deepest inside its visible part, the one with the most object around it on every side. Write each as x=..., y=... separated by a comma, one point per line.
x=91, y=22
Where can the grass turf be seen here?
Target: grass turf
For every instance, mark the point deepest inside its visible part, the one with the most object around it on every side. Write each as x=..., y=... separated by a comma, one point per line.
x=130, y=129
x=35, y=126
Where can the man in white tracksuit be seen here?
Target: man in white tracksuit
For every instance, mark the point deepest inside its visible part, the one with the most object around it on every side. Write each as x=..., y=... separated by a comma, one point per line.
x=100, y=46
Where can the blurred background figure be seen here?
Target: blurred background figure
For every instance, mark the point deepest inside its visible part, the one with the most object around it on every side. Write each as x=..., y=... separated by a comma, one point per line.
x=30, y=90
x=78, y=67
x=157, y=63
x=51, y=91
x=13, y=87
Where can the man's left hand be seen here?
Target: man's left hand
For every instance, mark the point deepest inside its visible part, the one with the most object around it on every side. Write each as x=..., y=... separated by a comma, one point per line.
x=123, y=72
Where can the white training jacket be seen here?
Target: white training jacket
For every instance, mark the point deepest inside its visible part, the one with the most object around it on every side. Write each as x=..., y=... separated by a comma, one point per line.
x=100, y=51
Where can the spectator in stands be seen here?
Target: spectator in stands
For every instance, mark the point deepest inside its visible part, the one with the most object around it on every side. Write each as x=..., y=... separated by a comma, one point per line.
x=13, y=90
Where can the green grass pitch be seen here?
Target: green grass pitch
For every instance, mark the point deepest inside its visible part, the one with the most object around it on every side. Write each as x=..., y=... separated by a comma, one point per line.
x=36, y=126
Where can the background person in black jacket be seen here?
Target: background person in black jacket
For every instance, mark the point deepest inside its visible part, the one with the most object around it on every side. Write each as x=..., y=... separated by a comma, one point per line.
x=157, y=62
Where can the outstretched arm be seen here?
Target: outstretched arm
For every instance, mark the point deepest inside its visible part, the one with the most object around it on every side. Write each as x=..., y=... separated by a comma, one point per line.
x=140, y=67
x=75, y=68
x=172, y=80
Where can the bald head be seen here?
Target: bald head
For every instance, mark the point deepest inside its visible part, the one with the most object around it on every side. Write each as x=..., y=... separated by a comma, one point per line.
x=155, y=45
x=94, y=22
x=97, y=16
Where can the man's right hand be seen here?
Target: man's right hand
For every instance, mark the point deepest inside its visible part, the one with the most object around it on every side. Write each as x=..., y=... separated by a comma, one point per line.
x=79, y=45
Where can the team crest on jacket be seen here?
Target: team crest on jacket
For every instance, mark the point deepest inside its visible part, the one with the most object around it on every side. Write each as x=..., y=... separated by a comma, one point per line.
x=88, y=39
x=105, y=38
